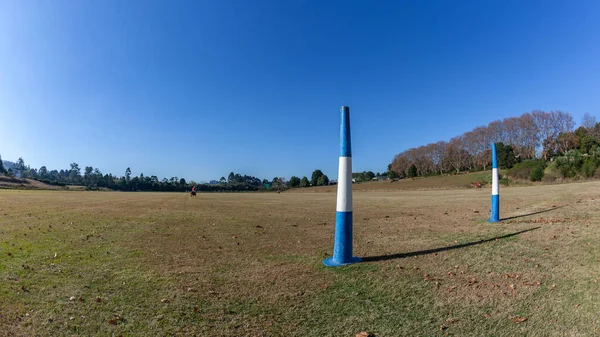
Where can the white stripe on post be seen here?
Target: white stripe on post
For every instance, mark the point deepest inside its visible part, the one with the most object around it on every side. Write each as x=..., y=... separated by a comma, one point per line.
x=495, y=181
x=344, y=188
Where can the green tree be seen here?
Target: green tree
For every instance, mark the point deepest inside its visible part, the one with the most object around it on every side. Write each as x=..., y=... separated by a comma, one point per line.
x=20, y=166
x=412, y=171
x=43, y=172
x=182, y=182
x=392, y=175
x=87, y=175
x=75, y=173
x=2, y=169
x=587, y=143
x=128, y=175
x=369, y=175
x=506, y=156
x=304, y=182
x=294, y=181
x=222, y=181
x=315, y=177
x=323, y=181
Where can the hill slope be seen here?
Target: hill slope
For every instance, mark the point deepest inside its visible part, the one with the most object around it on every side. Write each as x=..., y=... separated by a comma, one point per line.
x=28, y=184
x=421, y=183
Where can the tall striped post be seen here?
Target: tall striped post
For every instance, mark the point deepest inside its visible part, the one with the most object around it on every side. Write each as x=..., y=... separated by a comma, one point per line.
x=342, y=247
x=495, y=212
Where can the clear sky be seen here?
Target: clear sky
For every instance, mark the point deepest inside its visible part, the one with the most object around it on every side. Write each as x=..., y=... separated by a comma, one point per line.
x=201, y=88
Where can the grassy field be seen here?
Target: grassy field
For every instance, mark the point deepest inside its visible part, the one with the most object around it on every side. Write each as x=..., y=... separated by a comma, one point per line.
x=156, y=264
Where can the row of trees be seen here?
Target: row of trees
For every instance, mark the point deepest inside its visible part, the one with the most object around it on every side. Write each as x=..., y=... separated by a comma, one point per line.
x=318, y=178
x=538, y=134
x=93, y=178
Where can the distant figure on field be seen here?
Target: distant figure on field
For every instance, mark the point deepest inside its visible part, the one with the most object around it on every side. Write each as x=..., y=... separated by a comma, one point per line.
x=193, y=193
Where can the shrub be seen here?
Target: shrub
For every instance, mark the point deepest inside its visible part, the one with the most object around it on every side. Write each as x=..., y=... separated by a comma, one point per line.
x=588, y=168
x=537, y=174
x=569, y=164
x=504, y=181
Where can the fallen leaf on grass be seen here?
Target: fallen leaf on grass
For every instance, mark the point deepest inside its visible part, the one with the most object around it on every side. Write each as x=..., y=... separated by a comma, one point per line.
x=518, y=319
x=364, y=334
x=98, y=299
x=196, y=309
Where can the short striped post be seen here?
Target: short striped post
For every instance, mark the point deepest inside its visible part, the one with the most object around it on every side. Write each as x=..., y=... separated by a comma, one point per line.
x=342, y=247
x=495, y=212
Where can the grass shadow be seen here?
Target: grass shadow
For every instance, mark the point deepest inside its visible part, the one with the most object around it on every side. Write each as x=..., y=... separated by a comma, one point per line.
x=442, y=249
x=534, y=213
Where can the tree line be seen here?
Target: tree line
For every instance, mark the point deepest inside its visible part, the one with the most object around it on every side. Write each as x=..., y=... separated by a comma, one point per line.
x=536, y=135
x=93, y=178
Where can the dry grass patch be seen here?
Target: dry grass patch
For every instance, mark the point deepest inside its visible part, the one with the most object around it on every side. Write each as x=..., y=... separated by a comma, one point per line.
x=250, y=264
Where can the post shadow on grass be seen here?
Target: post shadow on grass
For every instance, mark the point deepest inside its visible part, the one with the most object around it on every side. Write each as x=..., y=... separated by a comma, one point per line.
x=534, y=213
x=442, y=249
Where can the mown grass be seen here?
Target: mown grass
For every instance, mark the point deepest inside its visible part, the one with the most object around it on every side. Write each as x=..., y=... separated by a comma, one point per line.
x=250, y=264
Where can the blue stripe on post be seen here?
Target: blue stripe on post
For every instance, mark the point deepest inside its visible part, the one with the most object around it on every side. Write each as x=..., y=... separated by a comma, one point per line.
x=345, y=143
x=495, y=214
x=342, y=248
x=494, y=157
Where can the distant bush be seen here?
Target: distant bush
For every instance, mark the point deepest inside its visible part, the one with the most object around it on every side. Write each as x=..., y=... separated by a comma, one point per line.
x=569, y=164
x=504, y=181
x=525, y=170
x=588, y=168
x=537, y=174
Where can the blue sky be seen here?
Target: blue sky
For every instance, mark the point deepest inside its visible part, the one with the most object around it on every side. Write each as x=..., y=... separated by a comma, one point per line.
x=199, y=89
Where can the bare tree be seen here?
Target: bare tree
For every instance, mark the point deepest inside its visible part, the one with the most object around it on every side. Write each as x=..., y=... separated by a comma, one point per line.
x=457, y=155
x=588, y=121
x=400, y=164
x=440, y=154
x=566, y=141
